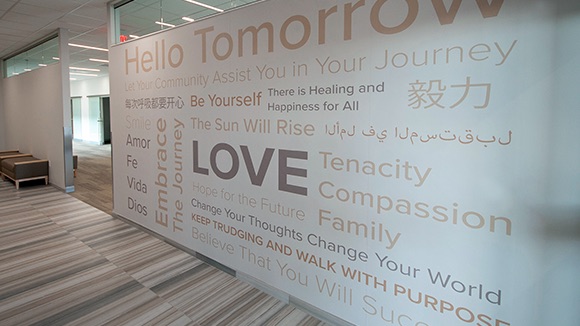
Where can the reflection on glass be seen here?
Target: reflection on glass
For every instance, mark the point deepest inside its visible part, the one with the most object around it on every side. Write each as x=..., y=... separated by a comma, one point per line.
x=137, y=18
x=36, y=57
x=95, y=119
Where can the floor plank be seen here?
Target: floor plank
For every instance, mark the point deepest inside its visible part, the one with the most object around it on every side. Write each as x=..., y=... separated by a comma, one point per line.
x=64, y=261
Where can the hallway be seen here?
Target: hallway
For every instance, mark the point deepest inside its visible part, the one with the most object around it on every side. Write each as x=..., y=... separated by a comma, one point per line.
x=63, y=261
x=94, y=180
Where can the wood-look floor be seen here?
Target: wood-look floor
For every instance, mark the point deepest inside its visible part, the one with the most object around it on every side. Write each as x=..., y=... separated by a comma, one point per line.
x=94, y=176
x=65, y=262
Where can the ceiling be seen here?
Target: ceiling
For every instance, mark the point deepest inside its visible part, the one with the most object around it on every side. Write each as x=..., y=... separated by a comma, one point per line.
x=24, y=22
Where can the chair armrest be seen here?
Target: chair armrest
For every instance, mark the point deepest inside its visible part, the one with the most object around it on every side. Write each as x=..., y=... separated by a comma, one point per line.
x=30, y=162
x=3, y=157
x=9, y=152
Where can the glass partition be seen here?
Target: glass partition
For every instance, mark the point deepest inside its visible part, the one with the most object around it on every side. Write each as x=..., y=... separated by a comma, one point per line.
x=38, y=56
x=77, y=117
x=136, y=18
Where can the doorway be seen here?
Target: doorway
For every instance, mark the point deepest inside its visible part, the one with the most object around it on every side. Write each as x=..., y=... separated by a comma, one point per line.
x=106, y=120
x=99, y=120
x=76, y=116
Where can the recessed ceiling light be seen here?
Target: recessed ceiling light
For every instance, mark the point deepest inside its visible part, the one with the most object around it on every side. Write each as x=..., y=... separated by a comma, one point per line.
x=88, y=47
x=204, y=5
x=55, y=58
x=133, y=36
x=80, y=74
x=99, y=60
x=85, y=69
x=187, y=19
x=42, y=65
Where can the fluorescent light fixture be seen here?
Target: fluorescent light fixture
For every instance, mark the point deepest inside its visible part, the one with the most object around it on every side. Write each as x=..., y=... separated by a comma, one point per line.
x=85, y=69
x=99, y=60
x=134, y=36
x=55, y=58
x=164, y=24
x=42, y=65
x=73, y=79
x=204, y=5
x=187, y=19
x=88, y=47
x=80, y=74
x=27, y=69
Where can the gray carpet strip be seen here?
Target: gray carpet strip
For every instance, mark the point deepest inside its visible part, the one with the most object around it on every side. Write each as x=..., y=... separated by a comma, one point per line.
x=63, y=262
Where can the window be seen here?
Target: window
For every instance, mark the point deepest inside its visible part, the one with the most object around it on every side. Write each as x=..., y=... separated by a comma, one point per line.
x=136, y=18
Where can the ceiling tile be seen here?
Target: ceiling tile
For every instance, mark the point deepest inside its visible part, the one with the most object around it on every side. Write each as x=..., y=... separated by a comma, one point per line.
x=5, y=5
x=36, y=11
x=83, y=21
x=88, y=38
x=31, y=22
x=16, y=27
x=59, y=5
x=93, y=12
x=9, y=38
x=72, y=28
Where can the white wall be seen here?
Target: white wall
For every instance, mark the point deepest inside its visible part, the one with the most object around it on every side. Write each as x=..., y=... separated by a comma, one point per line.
x=90, y=87
x=33, y=112
x=84, y=89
